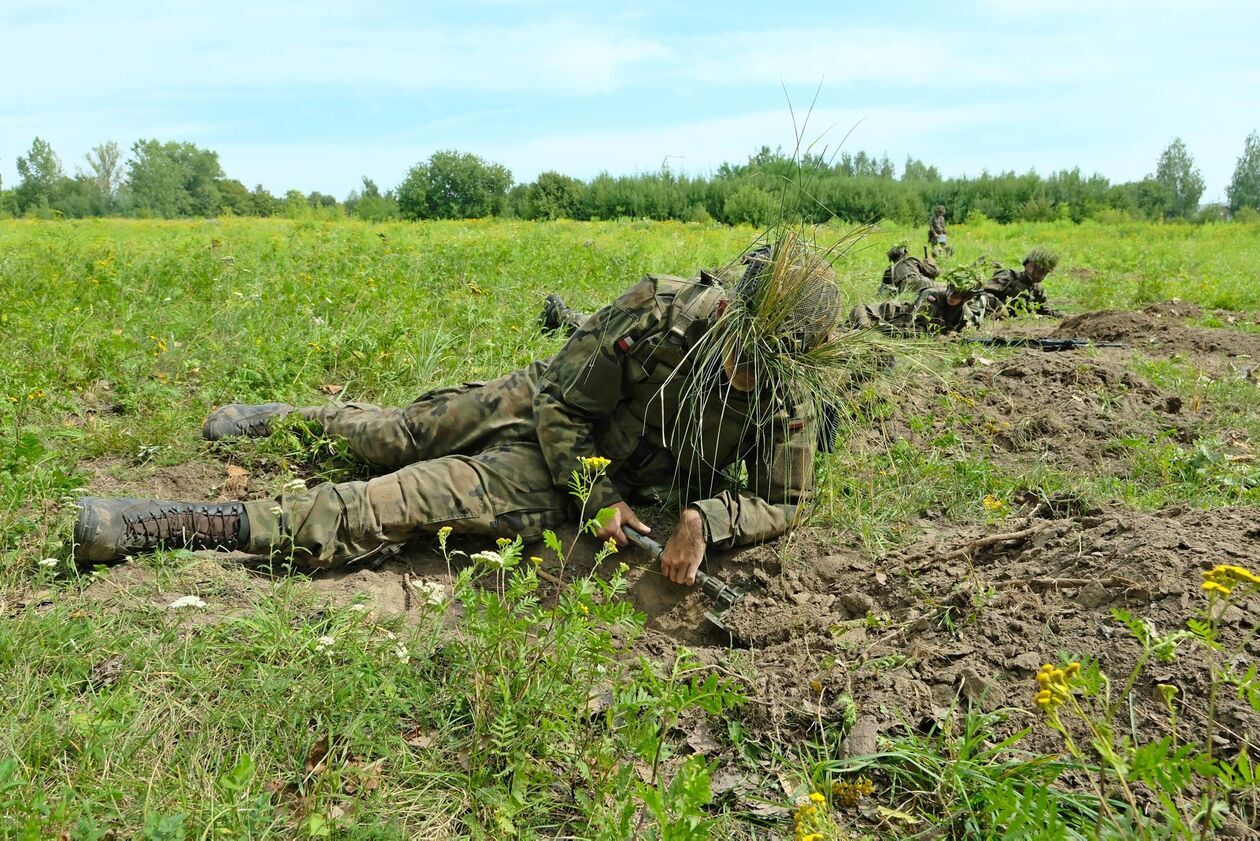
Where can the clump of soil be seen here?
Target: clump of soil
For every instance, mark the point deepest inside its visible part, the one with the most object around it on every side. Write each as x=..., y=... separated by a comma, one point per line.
x=1060, y=408
x=959, y=618
x=1159, y=327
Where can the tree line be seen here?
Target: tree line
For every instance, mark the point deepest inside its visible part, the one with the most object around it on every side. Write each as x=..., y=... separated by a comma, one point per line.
x=178, y=180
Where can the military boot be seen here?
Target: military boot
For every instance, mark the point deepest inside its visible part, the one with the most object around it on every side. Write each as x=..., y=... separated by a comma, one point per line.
x=108, y=529
x=554, y=315
x=236, y=419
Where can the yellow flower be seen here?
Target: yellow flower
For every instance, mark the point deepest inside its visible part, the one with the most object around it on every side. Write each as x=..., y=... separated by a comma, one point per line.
x=535, y=560
x=992, y=503
x=610, y=546
x=583, y=609
x=595, y=464
x=817, y=798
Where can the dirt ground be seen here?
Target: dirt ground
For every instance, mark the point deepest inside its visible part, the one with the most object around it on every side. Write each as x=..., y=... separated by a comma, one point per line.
x=960, y=615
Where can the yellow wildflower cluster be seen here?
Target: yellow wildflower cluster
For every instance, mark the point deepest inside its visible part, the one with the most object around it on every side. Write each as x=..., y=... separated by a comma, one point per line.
x=810, y=817
x=595, y=463
x=992, y=503
x=1223, y=578
x=1053, y=685
x=849, y=792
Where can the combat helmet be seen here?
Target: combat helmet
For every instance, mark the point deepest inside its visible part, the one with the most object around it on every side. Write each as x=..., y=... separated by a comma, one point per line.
x=898, y=251
x=1043, y=259
x=787, y=301
x=939, y=209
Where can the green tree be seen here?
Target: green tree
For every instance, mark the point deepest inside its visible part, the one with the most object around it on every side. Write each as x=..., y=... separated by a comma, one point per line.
x=173, y=179
x=265, y=204
x=105, y=168
x=554, y=196
x=453, y=185
x=234, y=198
x=371, y=204
x=1176, y=172
x=41, y=176
x=1244, y=187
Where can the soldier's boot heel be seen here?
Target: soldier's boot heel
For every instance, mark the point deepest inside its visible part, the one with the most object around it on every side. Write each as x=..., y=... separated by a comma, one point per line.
x=110, y=529
x=243, y=419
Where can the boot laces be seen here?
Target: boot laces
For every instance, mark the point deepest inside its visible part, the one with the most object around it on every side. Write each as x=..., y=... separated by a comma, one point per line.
x=192, y=526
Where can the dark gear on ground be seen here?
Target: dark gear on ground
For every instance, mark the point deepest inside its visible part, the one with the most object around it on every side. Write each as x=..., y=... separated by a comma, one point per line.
x=556, y=317
x=109, y=529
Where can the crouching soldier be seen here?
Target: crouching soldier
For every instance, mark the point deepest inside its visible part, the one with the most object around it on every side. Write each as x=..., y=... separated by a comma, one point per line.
x=1009, y=291
x=674, y=382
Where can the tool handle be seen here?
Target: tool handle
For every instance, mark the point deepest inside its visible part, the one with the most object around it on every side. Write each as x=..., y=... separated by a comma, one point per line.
x=644, y=542
x=655, y=549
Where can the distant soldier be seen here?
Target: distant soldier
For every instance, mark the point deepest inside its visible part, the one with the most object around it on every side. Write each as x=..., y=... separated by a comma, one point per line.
x=1009, y=289
x=938, y=241
x=938, y=309
x=906, y=273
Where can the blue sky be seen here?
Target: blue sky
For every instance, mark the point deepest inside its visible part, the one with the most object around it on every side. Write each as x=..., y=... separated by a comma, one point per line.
x=315, y=94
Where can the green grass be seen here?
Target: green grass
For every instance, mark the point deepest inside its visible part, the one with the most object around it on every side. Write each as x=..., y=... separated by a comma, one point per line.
x=119, y=336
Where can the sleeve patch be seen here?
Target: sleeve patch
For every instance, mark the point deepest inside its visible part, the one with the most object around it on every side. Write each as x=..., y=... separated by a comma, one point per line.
x=624, y=344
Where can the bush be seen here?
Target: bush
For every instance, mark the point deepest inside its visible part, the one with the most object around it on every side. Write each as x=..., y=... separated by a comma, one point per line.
x=453, y=185
x=749, y=205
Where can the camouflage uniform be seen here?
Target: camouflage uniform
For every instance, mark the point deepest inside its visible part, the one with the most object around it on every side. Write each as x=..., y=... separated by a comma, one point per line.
x=929, y=313
x=496, y=458
x=1008, y=286
x=908, y=274
x=936, y=228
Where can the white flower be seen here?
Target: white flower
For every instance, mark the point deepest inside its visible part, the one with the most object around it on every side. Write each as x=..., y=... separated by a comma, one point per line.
x=324, y=643
x=49, y=562
x=401, y=652
x=430, y=592
x=295, y=485
x=277, y=510
x=358, y=608
x=489, y=557
x=186, y=601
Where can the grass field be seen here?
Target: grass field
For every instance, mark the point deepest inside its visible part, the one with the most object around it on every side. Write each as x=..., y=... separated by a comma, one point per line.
x=282, y=711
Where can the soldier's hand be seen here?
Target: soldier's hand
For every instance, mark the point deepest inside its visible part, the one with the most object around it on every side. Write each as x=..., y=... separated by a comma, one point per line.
x=685, y=549
x=623, y=515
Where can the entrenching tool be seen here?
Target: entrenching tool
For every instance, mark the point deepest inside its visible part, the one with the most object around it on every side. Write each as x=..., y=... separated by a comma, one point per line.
x=724, y=595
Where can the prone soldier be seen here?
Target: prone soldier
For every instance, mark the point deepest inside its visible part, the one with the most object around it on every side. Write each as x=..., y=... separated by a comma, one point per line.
x=674, y=382
x=906, y=273
x=937, y=309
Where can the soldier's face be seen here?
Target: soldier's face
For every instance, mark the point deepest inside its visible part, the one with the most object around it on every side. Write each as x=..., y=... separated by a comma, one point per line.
x=1035, y=273
x=740, y=374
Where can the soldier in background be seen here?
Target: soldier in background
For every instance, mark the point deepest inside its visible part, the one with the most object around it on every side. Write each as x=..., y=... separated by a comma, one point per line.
x=674, y=382
x=906, y=273
x=937, y=309
x=1009, y=291
x=938, y=240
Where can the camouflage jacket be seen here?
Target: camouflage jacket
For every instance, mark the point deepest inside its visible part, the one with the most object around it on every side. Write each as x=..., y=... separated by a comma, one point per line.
x=624, y=387
x=929, y=313
x=936, y=226
x=1007, y=285
x=909, y=274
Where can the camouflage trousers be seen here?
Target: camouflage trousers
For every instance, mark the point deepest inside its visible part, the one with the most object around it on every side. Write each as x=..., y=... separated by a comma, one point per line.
x=466, y=457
